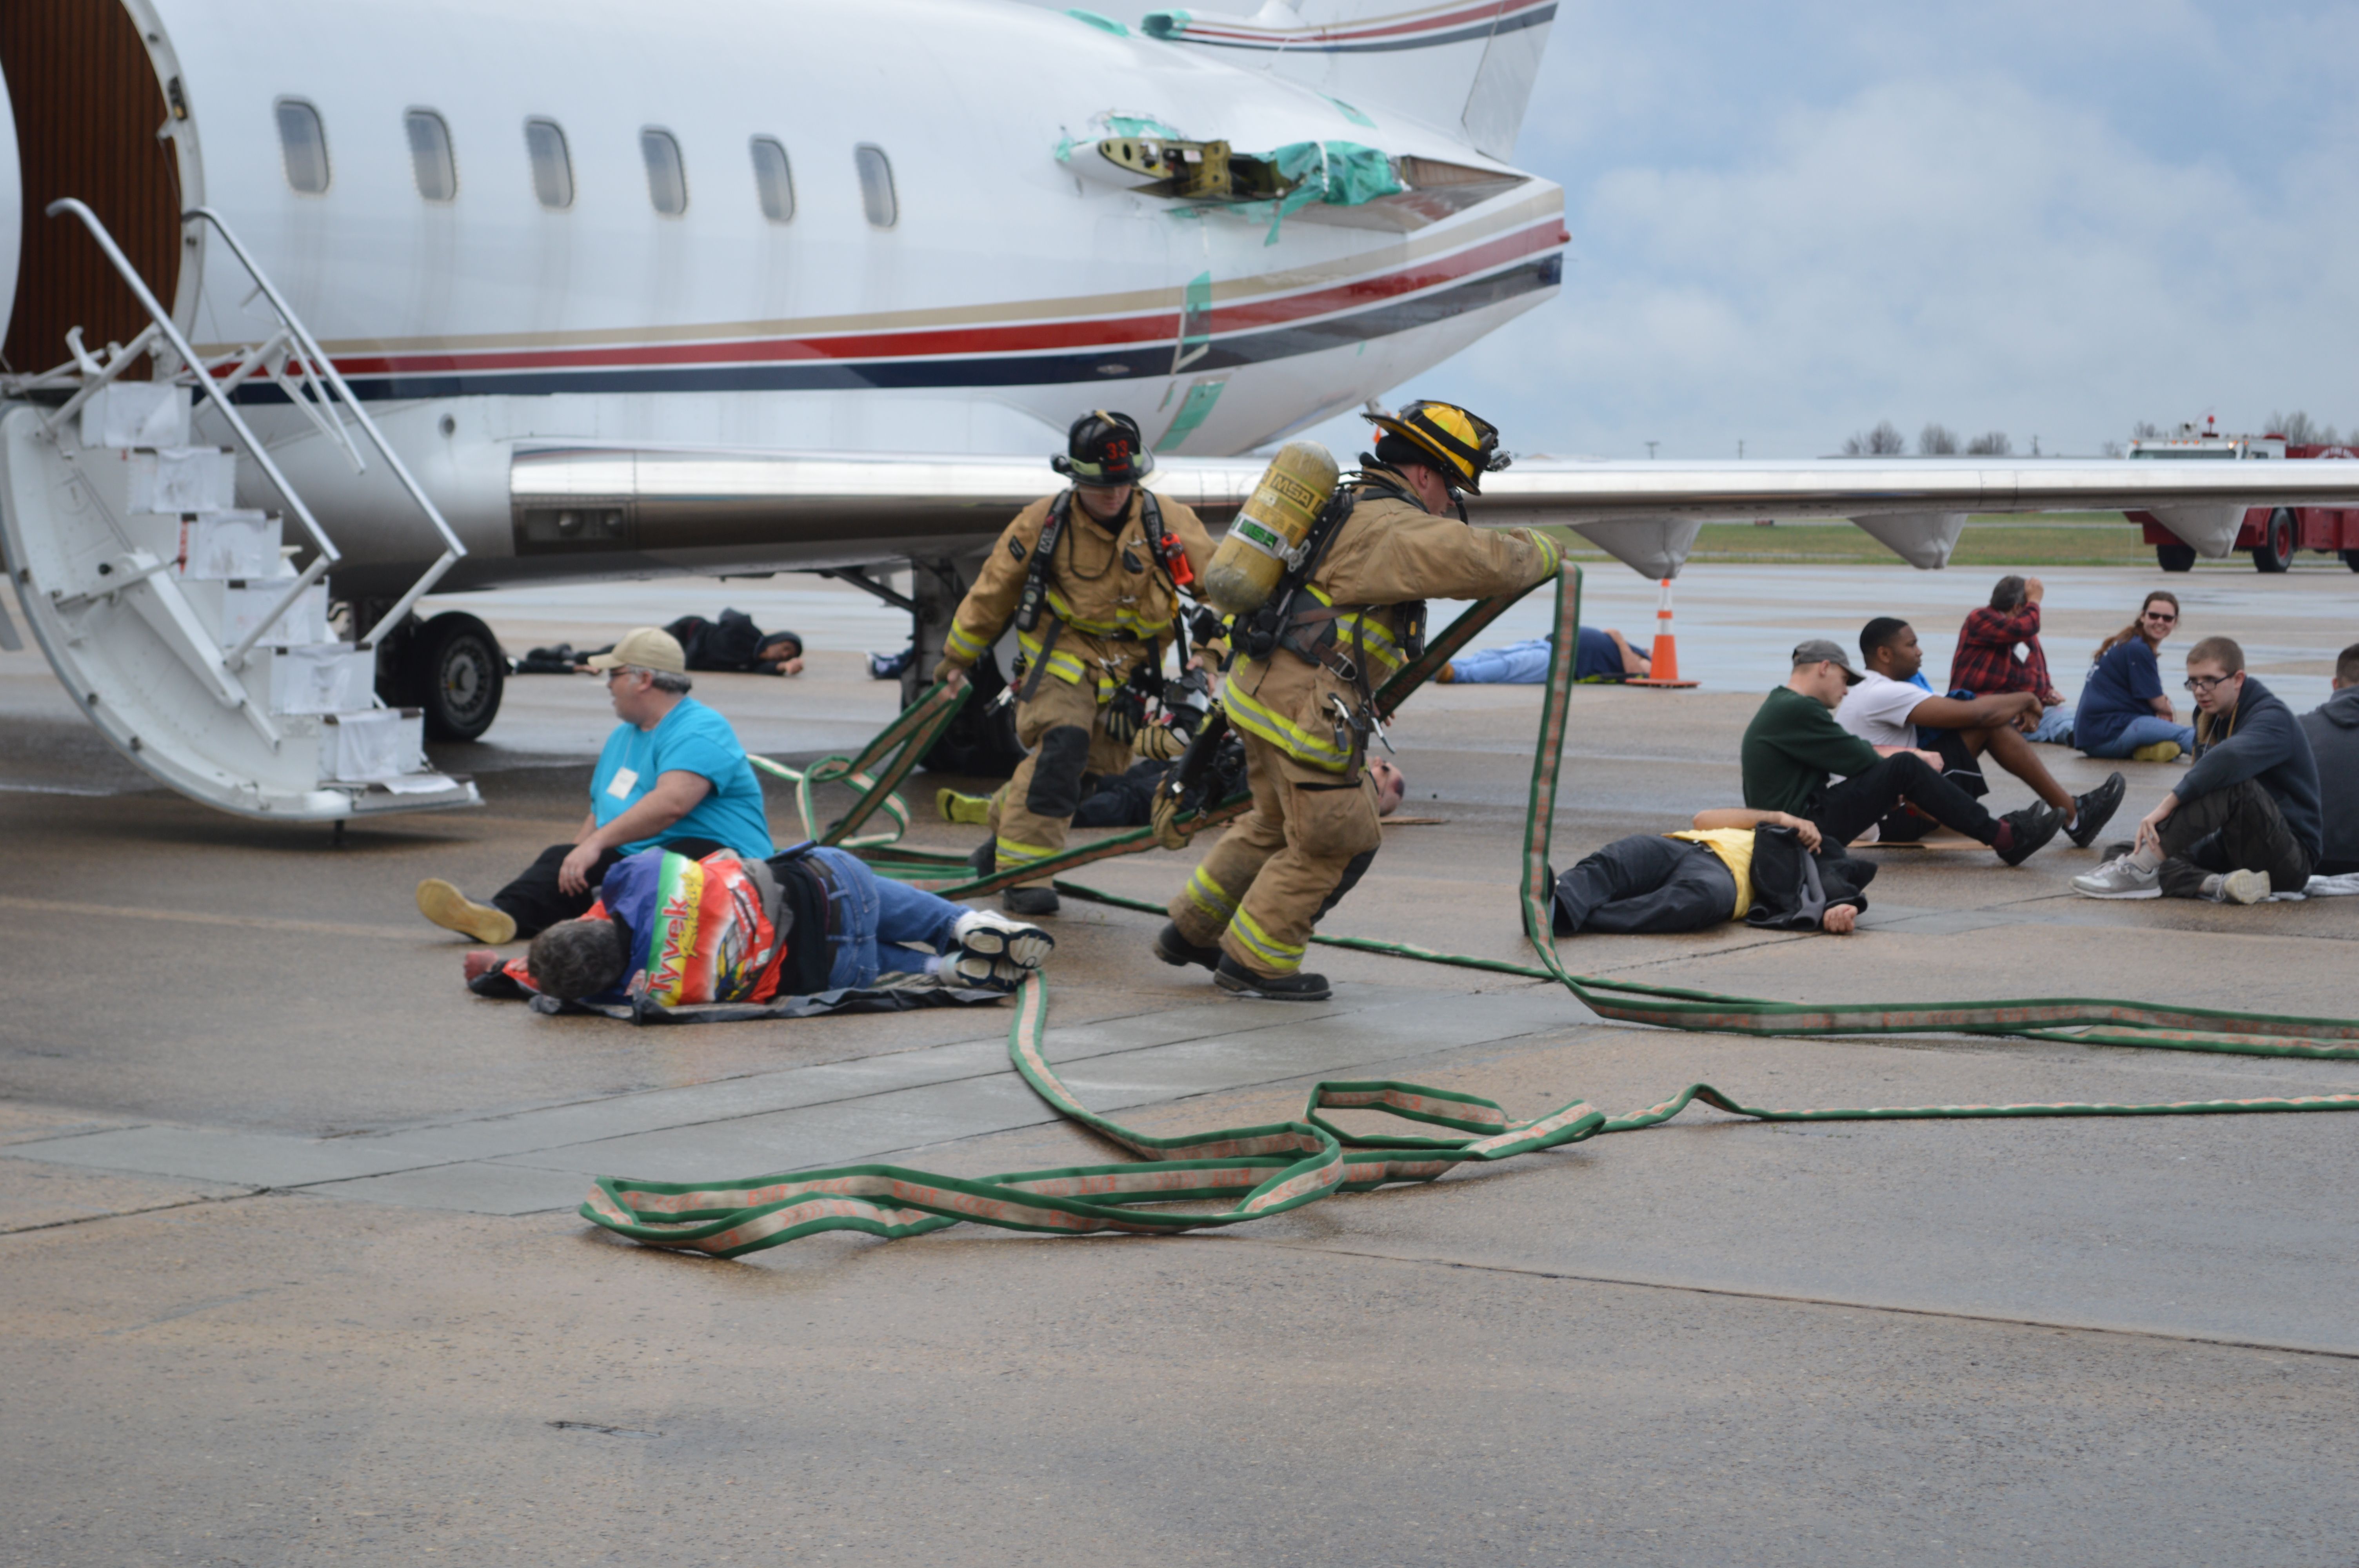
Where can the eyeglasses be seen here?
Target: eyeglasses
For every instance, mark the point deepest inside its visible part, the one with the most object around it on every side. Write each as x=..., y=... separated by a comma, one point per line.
x=2201, y=684
x=2159, y=615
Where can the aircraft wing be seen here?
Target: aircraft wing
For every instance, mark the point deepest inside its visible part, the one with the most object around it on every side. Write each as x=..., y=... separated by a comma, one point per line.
x=712, y=509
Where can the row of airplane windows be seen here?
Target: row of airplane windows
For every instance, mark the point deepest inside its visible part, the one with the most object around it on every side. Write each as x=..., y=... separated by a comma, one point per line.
x=303, y=142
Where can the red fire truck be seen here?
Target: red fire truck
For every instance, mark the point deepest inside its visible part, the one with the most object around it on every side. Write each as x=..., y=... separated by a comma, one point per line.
x=2272, y=534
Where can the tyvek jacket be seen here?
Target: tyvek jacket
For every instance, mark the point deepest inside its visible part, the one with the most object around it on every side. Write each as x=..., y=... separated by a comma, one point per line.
x=1390, y=552
x=1105, y=584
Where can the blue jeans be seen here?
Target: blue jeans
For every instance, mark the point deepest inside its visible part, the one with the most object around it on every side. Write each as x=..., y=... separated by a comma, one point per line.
x=2055, y=726
x=2145, y=731
x=871, y=910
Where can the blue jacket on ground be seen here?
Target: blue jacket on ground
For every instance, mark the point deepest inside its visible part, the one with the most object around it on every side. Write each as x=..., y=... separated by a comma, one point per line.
x=2261, y=740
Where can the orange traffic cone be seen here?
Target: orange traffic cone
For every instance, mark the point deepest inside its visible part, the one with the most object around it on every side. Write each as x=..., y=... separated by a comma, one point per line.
x=1663, y=663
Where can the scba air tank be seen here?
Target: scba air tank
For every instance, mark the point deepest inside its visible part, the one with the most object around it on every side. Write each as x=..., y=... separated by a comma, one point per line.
x=1293, y=489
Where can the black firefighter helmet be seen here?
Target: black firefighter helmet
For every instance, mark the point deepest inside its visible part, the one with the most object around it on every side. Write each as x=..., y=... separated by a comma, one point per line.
x=1106, y=449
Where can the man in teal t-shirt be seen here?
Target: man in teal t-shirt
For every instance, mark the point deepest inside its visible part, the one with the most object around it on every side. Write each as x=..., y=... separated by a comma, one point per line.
x=672, y=775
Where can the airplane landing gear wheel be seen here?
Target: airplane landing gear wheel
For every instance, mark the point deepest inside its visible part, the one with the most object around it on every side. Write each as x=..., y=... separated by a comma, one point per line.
x=2274, y=552
x=452, y=668
x=2175, y=557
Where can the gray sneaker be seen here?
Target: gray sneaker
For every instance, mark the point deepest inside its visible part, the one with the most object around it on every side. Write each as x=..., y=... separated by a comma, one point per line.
x=2120, y=878
x=2237, y=887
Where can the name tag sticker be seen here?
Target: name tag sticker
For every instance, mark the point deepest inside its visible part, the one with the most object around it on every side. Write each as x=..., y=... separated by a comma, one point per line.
x=625, y=782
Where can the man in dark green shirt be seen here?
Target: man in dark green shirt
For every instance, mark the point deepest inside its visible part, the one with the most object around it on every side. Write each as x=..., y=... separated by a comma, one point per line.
x=1794, y=744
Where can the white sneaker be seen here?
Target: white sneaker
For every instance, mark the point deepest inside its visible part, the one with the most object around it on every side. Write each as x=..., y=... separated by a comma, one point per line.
x=985, y=934
x=2120, y=878
x=2237, y=887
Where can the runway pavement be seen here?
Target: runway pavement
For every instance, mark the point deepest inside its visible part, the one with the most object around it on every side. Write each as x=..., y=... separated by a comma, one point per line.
x=290, y=1262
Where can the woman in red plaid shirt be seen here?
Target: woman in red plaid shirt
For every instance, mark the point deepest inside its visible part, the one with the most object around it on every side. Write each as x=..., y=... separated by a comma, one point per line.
x=1986, y=660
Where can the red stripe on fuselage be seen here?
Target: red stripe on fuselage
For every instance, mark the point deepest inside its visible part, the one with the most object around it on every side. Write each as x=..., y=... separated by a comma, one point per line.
x=1112, y=332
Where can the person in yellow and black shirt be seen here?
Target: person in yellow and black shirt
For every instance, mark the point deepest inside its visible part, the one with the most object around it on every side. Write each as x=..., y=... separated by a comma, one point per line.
x=1303, y=706
x=1092, y=578
x=1711, y=872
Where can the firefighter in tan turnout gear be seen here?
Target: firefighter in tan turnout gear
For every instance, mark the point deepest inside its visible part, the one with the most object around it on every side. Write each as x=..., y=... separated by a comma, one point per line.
x=1092, y=578
x=1300, y=690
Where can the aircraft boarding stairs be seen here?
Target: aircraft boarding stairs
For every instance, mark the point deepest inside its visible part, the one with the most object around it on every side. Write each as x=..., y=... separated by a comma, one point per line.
x=178, y=620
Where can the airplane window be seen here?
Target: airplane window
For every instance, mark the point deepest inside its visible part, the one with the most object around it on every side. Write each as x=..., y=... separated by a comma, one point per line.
x=876, y=193
x=552, y=168
x=429, y=155
x=667, y=178
x=773, y=180
x=304, y=144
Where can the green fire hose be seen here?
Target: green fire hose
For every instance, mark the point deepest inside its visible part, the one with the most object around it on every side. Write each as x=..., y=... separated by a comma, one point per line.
x=1232, y=1175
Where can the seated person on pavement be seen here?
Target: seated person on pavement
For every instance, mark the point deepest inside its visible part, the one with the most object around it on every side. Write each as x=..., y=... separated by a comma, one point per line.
x=1712, y=873
x=2124, y=710
x=672, y=775
x=682, y=932
x=1793, y=746
x=1891, y=712
x=2243, y=821
x=1986, y=662
x=2332, y=730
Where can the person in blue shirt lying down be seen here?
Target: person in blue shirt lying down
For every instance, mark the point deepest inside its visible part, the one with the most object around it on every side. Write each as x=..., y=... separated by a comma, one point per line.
x=1604, y=654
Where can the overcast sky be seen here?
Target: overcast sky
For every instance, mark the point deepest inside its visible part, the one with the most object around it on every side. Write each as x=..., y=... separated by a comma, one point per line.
x=2053, y=218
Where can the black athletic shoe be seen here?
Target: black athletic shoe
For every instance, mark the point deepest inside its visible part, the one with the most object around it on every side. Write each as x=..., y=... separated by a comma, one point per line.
x=1175, y=949
x=1030, y=902
x=2096, y=809
x=1232, y=976
x=2027, y=831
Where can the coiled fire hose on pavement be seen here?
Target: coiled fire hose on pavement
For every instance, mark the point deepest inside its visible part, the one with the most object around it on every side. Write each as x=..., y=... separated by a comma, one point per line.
x=1233, y=1174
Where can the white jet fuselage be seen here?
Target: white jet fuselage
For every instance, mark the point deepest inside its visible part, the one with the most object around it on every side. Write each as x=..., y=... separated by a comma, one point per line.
x=1010, y=289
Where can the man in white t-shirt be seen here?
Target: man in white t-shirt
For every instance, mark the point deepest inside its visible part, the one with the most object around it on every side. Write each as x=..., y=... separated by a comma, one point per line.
x=1893, y=713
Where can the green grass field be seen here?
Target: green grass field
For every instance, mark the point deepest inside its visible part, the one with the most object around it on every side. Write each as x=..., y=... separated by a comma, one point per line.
x=2052, y=539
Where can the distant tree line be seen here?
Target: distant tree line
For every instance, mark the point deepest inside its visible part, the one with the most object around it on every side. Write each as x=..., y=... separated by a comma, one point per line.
x=1934, y=441
x=1940, y=442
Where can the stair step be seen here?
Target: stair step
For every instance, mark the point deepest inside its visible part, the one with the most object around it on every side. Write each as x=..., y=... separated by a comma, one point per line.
x=320, y=679
x=183, y=479
x=137, y=414
x=232, y=608
x=378, y=745
x=229, y=546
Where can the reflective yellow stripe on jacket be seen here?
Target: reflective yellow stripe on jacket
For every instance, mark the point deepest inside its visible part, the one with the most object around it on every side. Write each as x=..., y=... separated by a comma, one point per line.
x=1067, y=667
x=1126, y=624
x=1318, y=748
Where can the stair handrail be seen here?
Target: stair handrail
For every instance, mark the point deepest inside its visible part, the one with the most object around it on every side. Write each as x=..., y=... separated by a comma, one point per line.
x=323, y=368
x=329, y=555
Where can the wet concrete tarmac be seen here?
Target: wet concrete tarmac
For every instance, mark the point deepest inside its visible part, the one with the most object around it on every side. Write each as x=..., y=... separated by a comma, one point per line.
x=294, y=1278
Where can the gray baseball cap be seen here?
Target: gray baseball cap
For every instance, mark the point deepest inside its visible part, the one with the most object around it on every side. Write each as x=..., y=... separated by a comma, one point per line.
x=1825, y=650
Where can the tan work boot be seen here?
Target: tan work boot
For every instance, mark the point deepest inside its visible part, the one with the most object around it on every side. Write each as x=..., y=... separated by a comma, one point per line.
x=449, y=908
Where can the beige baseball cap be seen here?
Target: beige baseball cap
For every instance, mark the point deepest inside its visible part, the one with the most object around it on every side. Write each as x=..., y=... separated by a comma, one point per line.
x=644, y=648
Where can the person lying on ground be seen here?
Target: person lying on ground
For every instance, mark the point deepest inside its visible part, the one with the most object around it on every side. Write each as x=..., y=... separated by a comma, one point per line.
x=1603, y=654
x=2124, y=710
x=1890, y=711
x=1793, y=746
x=1986, y=662
x=732, y=643
x=1128, y=799
x=1712, y=873
x=2244, y=821
x=672, y=775
x=2332, y=730
x=683, y=932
